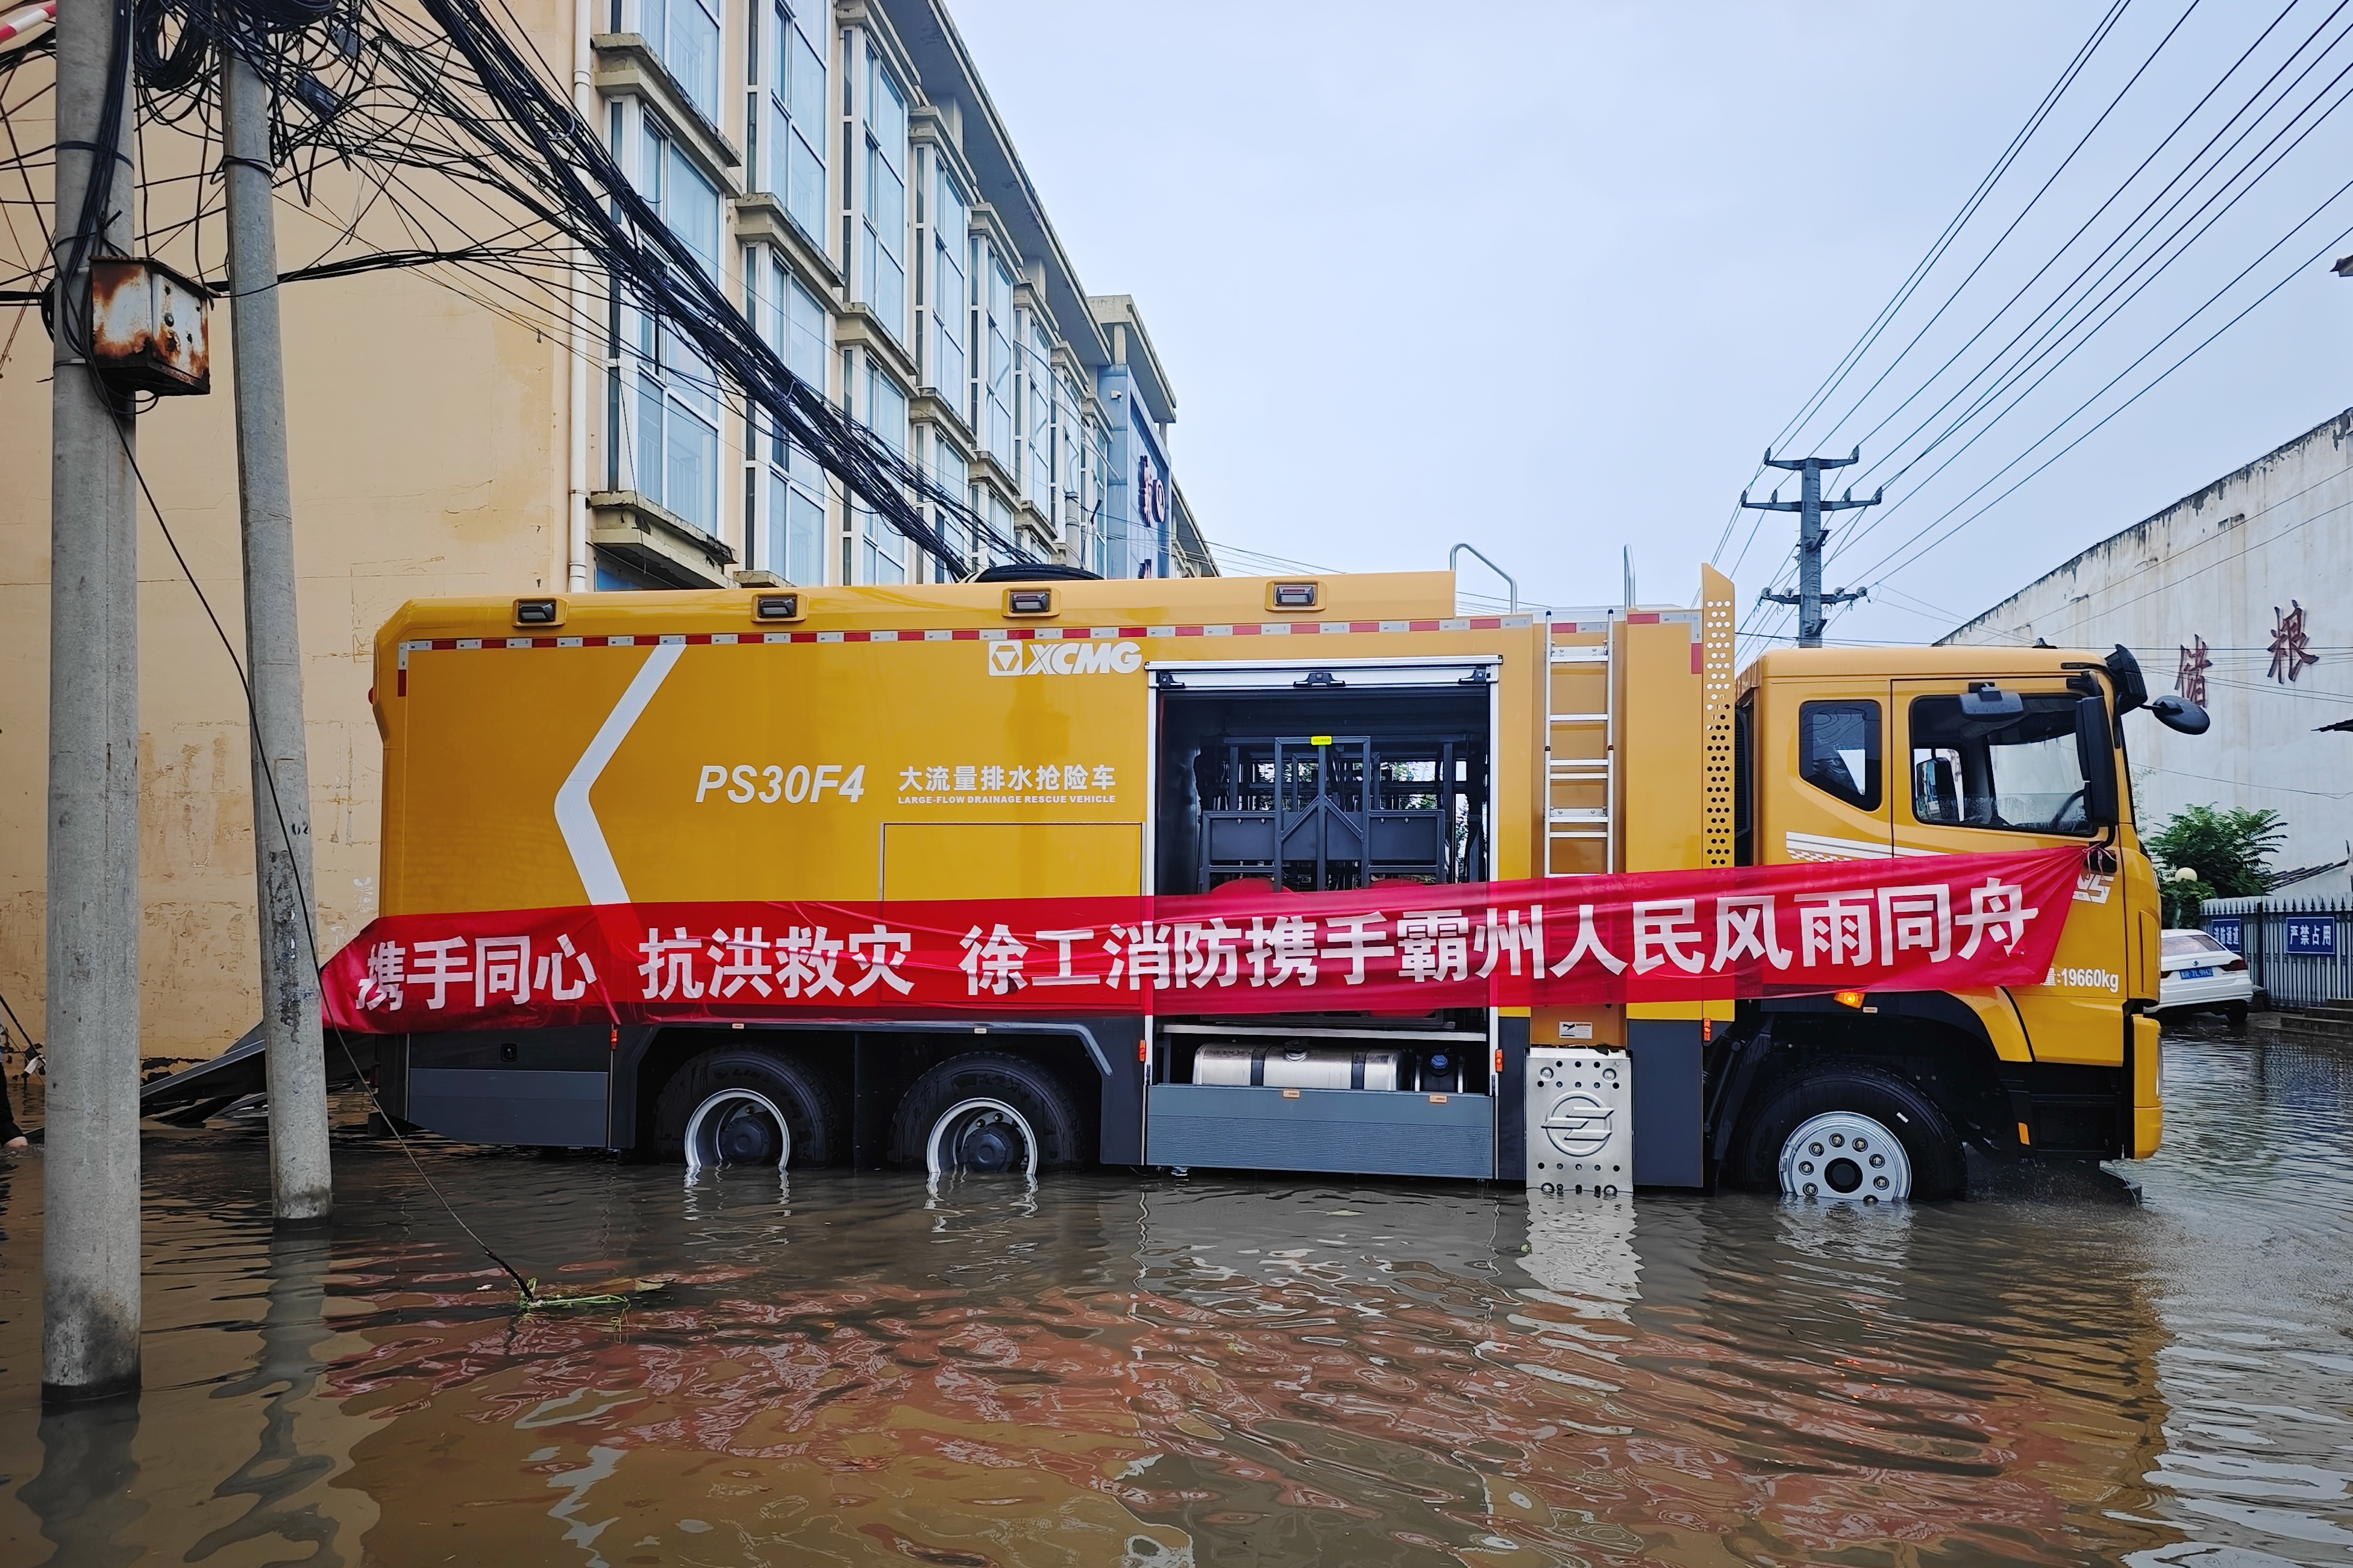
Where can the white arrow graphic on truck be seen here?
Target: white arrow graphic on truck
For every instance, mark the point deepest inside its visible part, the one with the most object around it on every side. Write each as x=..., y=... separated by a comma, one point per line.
x=574, y=817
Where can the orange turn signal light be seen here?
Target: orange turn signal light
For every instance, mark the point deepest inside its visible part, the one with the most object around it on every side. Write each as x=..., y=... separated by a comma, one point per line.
x=1847, y=998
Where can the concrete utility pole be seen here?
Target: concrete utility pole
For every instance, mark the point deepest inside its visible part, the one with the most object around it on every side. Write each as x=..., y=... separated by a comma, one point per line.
x=1810, y=597
x=300, y=1182
x=89, y=1241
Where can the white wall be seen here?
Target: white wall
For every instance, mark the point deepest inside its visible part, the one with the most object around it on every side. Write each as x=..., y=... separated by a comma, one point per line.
x=2221, y=564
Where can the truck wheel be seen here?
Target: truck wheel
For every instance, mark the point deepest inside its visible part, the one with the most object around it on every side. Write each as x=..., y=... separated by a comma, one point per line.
x=988, y=1112
x=1854, y=1135
x=745, y=1108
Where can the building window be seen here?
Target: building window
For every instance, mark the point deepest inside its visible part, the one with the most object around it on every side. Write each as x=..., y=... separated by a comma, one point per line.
x=1038, y=415
x=946, y=468
x=883, y=257
x=1066, y=437
x=677, y=431
x=793, y=150
x=992, y=354
x=1095, y=460
x=793, y=324
x=878, y=550
x=685, y=34
x=675, y=392
x=951, y=221
x=687, y=203
x=1001, y=523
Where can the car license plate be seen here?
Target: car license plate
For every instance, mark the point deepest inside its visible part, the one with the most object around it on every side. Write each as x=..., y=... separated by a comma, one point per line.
x=2195, y=974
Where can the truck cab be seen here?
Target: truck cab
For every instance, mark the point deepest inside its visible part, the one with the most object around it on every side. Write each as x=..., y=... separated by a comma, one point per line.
x=1852, y=753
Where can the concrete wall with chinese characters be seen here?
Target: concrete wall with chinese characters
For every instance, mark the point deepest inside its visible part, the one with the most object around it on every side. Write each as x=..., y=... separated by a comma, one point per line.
x=2240, y=597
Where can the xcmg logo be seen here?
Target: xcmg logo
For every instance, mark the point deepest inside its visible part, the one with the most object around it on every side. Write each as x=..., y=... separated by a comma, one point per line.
x=1064, y=658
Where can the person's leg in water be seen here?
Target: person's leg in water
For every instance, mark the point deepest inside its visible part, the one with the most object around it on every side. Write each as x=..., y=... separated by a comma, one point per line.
x=10, y=1135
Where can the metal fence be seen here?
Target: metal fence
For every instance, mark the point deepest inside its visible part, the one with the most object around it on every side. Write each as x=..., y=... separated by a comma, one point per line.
x=2300, y=950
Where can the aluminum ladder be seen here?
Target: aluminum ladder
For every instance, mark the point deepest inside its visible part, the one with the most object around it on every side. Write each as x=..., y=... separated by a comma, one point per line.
x=1580, y=742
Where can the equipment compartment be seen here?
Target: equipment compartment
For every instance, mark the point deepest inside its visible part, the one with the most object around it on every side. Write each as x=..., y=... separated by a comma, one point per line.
x=1329, y=780
x=1361, y=1131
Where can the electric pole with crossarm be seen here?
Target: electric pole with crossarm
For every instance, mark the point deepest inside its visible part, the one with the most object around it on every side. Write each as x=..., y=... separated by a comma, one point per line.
x=1810, y=506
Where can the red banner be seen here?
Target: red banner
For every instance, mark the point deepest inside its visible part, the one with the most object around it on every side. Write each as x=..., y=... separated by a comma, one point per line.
x=1931, y=923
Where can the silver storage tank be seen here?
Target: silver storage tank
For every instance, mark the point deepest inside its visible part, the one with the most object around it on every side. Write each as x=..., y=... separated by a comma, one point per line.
x=1296, y=1067
x=1580, y=1120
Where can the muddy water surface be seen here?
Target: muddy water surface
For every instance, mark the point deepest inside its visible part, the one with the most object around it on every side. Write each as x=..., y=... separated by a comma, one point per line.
x=1103, y=1371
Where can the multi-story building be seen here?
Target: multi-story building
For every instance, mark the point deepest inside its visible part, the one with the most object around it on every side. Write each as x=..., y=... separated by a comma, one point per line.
x=841, y=171
x=860, y=195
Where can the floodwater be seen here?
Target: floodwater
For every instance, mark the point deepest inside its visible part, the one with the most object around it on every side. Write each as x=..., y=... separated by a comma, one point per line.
x=1152, y=1373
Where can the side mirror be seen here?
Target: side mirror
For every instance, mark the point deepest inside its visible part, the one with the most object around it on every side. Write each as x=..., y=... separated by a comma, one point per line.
x=2180, y=715
x=1987, y=700
x=2097, y=754
x=2124, y=671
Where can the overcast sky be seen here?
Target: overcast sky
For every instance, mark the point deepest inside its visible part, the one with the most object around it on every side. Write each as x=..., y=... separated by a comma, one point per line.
x=1549, y=280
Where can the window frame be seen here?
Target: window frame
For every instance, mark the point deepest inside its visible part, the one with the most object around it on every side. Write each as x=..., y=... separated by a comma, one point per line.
x=949, y=255
x=879, y=238
x=1871, y=797
x=659, y=43
x=992, y=354
x=2059, y=705
x=668, y=389
x=794, y=491
x=795, y=143
x=871, y=540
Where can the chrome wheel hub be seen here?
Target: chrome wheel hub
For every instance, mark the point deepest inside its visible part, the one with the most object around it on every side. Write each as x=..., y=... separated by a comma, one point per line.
x=982, y=1136
x=1844, y=1156
x=737, y=1127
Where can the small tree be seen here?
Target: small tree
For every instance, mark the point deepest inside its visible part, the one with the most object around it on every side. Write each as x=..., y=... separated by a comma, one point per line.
x=2228, y=854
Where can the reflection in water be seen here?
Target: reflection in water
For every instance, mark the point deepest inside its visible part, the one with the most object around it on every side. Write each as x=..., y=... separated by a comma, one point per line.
x=278, y=1475
x=870, y=1369
x=86, y=1496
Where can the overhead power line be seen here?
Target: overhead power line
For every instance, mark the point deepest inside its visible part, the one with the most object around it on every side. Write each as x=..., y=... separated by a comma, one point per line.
x=2004, y=238
x=468, y=149
x=2078, y=323
x=2274, y=118
x=1884, y=568
x=1937, y=249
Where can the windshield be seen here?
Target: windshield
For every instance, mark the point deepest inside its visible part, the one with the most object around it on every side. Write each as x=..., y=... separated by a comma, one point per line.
x=2192, y=944
x=2020, y=772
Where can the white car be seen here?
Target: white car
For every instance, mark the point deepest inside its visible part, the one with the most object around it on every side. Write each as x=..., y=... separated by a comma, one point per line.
x=2198, y=974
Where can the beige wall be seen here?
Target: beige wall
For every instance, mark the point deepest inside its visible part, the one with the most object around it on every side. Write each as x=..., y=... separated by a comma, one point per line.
x=429, y=441
x=431, y=455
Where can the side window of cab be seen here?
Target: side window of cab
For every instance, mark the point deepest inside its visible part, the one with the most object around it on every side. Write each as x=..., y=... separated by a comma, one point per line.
x=1838, y=753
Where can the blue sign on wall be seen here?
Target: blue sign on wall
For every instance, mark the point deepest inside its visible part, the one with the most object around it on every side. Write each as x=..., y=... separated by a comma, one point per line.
x=2224, y=929
x=2315, y=934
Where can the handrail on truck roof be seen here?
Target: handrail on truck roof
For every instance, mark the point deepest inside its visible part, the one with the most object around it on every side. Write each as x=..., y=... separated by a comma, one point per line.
x=1454, y=554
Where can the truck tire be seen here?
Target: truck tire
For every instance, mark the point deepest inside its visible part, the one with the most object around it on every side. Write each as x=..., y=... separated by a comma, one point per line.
x=987, y=1112
x=745, y=1106
x=1856, y=1133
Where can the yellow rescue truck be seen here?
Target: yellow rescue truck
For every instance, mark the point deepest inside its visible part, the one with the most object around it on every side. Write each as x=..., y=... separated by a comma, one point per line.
x=1027, y=735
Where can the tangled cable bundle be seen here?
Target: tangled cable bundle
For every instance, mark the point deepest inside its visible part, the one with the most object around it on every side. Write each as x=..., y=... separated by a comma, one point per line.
x=474, y=152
